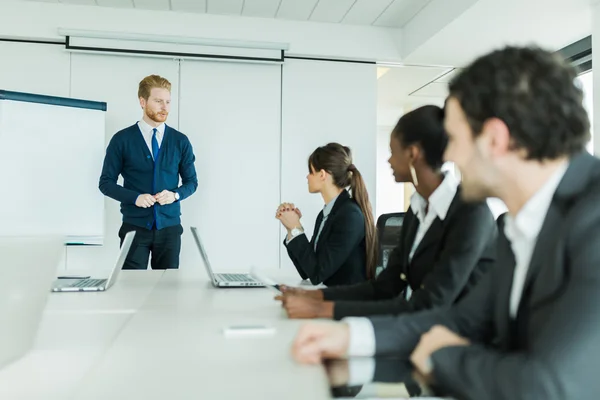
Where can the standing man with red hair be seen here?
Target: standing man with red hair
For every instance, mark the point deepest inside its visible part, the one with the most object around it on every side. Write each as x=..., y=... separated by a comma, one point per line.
x=151, y=156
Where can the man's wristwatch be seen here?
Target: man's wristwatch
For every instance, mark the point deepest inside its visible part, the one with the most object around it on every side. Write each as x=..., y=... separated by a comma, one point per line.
x=176, y=196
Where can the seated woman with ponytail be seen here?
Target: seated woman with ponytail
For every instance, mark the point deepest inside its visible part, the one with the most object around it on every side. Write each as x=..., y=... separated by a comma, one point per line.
x=446, y=244
x=343, y=247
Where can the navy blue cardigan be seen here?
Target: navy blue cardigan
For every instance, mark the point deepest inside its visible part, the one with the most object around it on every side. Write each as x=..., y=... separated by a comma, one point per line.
x=128, y=155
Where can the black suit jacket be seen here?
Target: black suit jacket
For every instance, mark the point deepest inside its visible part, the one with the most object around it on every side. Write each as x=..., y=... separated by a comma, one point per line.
x=551, y=351
x=449, y=260
x=387, y=370
x=340, y=258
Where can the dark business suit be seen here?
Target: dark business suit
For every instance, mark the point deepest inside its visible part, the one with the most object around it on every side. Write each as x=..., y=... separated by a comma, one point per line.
x=449, y=260
x=340, y=258
x=387, y=370
x=551, y=350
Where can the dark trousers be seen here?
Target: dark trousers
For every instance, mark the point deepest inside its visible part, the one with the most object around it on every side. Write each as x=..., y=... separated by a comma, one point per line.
x=164, y=244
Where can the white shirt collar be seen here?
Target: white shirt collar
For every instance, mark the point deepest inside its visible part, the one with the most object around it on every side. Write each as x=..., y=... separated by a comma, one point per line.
x=439, y=201
x=329, y=206
x=529, y=220
x=147, y=129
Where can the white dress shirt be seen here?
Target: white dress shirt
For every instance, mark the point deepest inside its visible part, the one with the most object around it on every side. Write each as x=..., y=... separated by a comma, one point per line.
x=147, y=133
x=522, y=231
x=439, y=203
x=363, y=343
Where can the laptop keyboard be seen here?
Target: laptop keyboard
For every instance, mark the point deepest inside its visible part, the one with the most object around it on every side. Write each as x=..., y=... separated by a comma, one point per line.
x=89, y=283
x=235, y=277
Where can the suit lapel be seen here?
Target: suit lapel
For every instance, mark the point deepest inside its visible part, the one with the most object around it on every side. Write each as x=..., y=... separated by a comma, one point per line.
x=436, y=229
x=506, y=263
x=542, y=256
x=411, y=232
x=142, y=143
x=316, y=229
x=164, y=144
x=546, y=274
x=431, y=237
x=342, y=198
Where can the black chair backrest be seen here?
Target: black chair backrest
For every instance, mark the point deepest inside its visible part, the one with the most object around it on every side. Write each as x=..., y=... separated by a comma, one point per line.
x=388, y=233
x=500, y=221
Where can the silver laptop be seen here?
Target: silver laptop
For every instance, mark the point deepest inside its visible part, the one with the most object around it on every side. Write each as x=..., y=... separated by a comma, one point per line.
x=224, y=280
x=96, y=284
x=28, y=267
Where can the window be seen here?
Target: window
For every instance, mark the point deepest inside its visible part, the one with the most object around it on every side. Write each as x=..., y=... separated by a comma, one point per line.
x=586, y=80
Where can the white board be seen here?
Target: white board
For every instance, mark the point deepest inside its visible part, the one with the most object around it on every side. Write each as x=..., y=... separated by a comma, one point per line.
x=51, y=158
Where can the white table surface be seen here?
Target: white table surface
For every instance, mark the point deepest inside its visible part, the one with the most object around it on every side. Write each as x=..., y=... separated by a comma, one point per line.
x=128, y=294
x=157, y=335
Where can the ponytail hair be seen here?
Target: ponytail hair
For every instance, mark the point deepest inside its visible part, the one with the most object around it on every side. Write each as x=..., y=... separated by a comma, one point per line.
x=337, y=161
x=361, y=196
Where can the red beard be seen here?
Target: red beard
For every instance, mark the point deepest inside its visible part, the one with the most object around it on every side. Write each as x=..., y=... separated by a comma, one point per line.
x=159, y=117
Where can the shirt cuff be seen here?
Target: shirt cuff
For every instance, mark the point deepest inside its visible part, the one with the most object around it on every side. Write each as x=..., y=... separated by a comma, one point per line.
x=293, y=237
x=362, y=337
x=360, y=370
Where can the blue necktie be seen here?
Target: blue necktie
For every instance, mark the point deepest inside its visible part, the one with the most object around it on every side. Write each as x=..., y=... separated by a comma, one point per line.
x=155, y=147
x=155, y=150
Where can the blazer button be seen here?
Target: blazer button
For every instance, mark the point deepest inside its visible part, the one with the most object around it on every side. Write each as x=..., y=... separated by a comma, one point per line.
x=403, y=277
x=422, y=286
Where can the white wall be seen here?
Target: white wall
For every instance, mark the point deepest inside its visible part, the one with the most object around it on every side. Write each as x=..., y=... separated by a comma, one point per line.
x=596, y=77
x=586, y=80
x=482, y=26
x=38, y=20
x=26, y=73
x=325, y=102
x=231, y=112
x=390, y=195
x=434, y=17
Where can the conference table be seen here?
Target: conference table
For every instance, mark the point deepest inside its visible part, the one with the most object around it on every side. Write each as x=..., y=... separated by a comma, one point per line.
x=158, y=335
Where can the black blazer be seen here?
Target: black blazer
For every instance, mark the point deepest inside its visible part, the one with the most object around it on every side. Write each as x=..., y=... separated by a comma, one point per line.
x=449, y=260
x=550, y=351
x=340, y=258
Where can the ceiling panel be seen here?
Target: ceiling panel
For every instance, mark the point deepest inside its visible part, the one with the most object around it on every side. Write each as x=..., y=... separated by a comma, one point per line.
x=296, y=9
x=331, y=10
x=116, y=3
x=365, y=12
x=230, y=7
x=434, y=89
x=260, y=8
x=197, y=6
x=84, y=2
x=152, y=4
x=395, y=86
x=400, y=12
x=386, y=13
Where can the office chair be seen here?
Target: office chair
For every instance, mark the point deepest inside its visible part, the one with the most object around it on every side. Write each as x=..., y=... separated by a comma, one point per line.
x=500, y=221
x=388, y=232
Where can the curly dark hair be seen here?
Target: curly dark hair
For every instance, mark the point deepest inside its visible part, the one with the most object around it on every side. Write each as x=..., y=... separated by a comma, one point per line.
x=534, y=92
